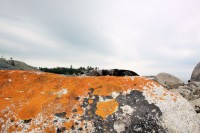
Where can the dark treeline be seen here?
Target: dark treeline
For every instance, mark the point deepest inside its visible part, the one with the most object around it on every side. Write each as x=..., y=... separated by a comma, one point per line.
x=68, y=71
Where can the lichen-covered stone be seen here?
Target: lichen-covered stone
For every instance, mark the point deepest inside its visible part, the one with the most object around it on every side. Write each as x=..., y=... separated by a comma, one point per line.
x=43, y=102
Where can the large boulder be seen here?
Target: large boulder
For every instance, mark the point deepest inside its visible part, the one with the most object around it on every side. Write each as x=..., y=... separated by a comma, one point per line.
x=169, y=81
x=43, y=102
x=196, y=73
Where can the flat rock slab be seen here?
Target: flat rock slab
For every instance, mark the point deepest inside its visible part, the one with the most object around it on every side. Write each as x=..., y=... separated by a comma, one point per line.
x=43, y=102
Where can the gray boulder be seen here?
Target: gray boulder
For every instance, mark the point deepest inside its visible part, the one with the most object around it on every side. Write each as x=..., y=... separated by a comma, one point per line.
x=196, y=73
x=169, y=81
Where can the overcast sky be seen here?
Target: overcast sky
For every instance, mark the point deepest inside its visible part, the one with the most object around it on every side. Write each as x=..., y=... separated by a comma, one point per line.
x=146, y=36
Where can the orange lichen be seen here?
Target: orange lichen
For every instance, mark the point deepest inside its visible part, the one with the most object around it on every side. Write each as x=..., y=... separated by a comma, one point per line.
x=152, y=95
x=174, y=99
x=29, y=111
x=106, y=108
x=164, y=94
x=161, y=98
x=29, y=93
x=90, y=101
x=69, y=124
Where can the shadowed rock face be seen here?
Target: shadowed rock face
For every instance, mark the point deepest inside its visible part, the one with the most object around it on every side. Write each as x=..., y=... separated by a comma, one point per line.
x=43, y=102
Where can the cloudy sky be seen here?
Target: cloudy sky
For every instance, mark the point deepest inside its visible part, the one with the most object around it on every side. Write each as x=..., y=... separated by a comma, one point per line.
x=146, y=36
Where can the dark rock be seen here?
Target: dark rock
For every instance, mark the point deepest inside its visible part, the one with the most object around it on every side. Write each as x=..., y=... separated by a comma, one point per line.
x=75, y=110
x=77, y=98
x=63, y=129
x=124, y=73
x=112, y=72
x=61, y=115
x=59, y=130
x=27, y=121
x=146, y=116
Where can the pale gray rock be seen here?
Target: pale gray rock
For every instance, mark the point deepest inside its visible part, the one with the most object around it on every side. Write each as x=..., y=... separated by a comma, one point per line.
x=175, y=91
x=195, y=83
x=174, y=113
x=184, y=92
x=188, y=92
x=93, y=73
x=169, y=81
x=196, y=73
x=197, y=92
x=196, y=105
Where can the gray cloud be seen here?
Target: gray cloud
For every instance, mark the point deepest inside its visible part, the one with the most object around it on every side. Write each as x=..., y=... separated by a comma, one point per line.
x=145, y=36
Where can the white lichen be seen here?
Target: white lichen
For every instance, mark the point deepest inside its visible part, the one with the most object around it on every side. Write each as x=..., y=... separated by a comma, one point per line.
x=61, y=92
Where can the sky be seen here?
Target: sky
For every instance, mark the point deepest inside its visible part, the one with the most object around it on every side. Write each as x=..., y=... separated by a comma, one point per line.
x=145, y=36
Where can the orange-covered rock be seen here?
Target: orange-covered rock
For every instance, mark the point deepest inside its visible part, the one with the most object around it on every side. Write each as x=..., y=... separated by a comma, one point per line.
x=44, y=102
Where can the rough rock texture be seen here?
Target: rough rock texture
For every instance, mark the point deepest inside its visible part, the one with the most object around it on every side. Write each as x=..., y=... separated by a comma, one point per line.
x=190, y=91
x=14, y=65
x=43, y=102
x=186, y=93
x=169, y=81
x=112, y=72
x=196, y=73
x=196, y=104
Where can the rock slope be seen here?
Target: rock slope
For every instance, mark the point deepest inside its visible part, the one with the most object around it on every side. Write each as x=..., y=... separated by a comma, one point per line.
x=14, y=65
x=42, y=102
